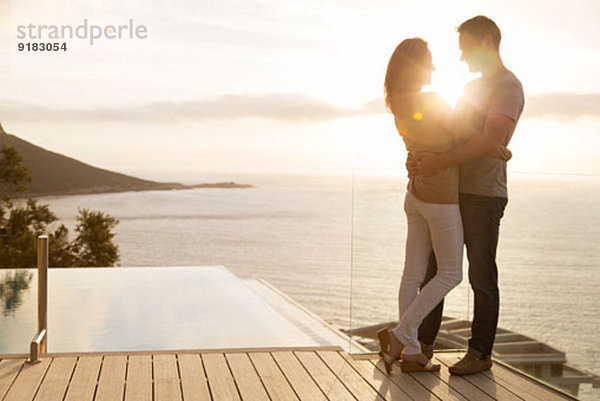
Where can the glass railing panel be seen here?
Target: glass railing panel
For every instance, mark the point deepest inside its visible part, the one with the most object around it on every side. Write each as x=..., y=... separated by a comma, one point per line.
x=334, y=246
x=18, y=309
x=378, y=250
x=549, y=273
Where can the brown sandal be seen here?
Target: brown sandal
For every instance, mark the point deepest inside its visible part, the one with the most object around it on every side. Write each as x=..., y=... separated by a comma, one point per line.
x=413, y=366
x=384, y=348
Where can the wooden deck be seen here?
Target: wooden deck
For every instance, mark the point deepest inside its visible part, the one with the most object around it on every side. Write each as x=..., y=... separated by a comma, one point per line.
x=269, y=374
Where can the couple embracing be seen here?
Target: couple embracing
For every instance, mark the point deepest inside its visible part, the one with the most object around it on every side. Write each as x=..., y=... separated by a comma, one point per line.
x=456, y=193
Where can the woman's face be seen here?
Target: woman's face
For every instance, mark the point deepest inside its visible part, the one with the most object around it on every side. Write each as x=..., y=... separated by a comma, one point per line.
x=427, y=69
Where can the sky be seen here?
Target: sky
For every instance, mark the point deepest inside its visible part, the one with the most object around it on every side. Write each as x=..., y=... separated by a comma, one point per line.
x=283, y=85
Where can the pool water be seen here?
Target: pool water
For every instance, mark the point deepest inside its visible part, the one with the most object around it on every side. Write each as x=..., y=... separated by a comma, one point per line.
x=150, y=308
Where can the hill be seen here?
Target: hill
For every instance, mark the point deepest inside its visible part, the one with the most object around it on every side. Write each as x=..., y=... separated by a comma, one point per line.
x=56, y=174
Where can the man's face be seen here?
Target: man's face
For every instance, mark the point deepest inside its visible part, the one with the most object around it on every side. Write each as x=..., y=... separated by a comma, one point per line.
x=472, y=51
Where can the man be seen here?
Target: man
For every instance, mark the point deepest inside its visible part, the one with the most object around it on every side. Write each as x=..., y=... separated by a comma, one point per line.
x=490, y=107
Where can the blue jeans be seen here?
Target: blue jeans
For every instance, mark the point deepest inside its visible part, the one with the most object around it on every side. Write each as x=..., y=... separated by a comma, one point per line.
x=481, y=223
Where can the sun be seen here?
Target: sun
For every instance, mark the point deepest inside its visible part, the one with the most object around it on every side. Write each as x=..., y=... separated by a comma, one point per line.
x=451, y=74
x=450, y=87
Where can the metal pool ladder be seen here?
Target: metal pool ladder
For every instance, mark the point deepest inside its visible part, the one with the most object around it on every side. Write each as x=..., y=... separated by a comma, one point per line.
x=38, y=344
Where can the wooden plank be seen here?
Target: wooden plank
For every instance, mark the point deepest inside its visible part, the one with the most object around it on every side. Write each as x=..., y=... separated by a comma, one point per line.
x=28, y=381
x=301, y=382
x=431, y=381
x=193, y=380
x=166, y=378
x=461, y=384
x=9, y=369
x=347, y=375
x=406, y=382
x=139, y=378
x=111, y=384
x=521, y=385
x=333, y=389
x=54, y=385
x=85, y=378
x=246, y=378
x=220, y=381
x=479, y=380
x=377, y=379
x=515, y=382
x=272, y=377
x=182, y=351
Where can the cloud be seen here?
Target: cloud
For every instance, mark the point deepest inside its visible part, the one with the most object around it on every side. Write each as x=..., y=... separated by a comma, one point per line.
x=556, y=105
x=284, y=107
x=374, y=106
x=277, y=106
x=562, y=105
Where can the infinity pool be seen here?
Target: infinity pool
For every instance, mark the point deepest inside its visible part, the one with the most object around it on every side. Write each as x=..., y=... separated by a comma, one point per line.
x=150, y=308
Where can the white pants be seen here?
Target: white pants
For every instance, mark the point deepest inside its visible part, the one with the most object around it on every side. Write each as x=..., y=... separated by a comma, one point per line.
x=430, y=226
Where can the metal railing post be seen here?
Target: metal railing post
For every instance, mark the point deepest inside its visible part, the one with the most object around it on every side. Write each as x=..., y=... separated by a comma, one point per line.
x=38, y=344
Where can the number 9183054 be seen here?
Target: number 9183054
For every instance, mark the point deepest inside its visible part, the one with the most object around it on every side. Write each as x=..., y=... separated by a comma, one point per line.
x=42, y=47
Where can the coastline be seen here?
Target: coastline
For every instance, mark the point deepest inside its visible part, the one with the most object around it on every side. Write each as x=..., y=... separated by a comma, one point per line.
x=104, y=190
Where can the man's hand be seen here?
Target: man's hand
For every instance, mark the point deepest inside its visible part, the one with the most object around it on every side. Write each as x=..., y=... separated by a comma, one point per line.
x=430, y=163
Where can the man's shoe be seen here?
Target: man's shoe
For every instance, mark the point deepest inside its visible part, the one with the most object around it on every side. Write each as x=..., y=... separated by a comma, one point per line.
x=470, y=365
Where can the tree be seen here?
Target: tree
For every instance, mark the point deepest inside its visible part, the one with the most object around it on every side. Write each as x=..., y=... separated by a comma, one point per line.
x=13, y=173
x=94, y=238
x=21, y=224
x=20, y=229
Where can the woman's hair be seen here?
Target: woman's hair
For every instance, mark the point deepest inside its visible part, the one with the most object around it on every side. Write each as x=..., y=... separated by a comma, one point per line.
x=408, y=58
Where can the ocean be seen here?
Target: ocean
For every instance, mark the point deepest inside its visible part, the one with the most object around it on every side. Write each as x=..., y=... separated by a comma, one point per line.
x=335, y=243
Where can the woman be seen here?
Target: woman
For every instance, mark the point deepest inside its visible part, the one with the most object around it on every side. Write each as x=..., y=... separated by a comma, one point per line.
x=425, y=123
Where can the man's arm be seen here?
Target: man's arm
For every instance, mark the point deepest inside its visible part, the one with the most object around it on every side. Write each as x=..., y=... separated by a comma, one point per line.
x=497, y=127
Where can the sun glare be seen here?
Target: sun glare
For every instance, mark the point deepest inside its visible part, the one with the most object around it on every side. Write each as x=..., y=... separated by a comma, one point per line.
x=451, y=74
x=449, y=88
